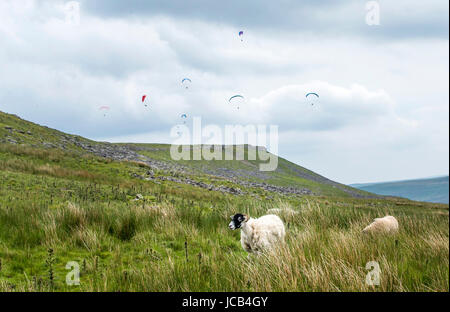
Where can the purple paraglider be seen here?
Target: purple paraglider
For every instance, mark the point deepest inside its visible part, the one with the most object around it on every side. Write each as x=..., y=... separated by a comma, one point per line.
x=241, y=33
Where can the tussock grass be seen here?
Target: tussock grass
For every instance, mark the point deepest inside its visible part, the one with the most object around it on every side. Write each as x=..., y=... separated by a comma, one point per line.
x=127, y=245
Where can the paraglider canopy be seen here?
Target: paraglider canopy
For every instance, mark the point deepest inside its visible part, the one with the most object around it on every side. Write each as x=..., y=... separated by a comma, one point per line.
x=312, y=93
x=235, y=96
x=183, y=117
x=241, y=33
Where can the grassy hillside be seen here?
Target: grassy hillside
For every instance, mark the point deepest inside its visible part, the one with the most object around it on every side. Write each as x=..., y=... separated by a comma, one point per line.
x=137, y=221
x=433, y=190
x=14, y=130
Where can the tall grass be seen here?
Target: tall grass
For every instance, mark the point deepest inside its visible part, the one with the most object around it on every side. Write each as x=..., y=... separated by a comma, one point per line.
x=127, y=245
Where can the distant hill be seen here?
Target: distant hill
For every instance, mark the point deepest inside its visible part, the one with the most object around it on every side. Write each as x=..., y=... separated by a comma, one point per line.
x=433, y=190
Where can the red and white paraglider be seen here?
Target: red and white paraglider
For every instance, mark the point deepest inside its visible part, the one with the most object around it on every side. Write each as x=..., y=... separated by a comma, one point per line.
x=143, y=99
x=104, y=109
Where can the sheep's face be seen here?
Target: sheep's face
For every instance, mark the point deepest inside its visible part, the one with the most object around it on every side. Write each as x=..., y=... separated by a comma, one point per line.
x=237, y=220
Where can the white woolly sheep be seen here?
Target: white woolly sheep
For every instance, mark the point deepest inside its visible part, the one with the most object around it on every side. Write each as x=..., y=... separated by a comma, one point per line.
x=387, y=224
x=258, y=234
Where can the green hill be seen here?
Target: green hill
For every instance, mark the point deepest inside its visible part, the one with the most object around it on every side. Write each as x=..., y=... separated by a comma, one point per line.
x=288, y=178
x=132, y=219
x=433, y=190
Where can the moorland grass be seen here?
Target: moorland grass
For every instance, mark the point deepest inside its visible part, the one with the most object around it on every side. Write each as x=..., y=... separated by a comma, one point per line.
x=176, y=238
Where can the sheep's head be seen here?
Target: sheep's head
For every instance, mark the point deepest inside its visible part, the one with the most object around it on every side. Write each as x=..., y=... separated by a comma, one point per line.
x=237, y=221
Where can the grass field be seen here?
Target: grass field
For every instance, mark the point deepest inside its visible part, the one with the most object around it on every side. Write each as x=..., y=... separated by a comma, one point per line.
x=57, y=207
x=61, y=203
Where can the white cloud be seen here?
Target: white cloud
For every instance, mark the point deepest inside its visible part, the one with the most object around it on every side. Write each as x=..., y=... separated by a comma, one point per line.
x=336, y=106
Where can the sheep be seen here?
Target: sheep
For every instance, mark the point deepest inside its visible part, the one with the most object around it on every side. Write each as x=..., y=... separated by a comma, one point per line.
x=387, y=224
x=258, y=235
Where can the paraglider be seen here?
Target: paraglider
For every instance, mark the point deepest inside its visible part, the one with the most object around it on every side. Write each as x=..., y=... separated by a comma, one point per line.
x=104, y=108
x=183, y=117
x=241, y=34
x=143, y=99
x=310, y=94
x=236, y=99
x=186, y=82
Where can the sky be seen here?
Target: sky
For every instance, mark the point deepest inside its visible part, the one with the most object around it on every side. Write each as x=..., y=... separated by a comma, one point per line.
x=383, y=111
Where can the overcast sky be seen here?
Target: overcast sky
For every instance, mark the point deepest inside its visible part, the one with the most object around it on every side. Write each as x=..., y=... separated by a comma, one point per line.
x=383, y=112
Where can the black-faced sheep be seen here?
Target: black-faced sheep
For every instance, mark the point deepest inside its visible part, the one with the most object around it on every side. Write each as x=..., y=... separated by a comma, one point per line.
x=258, y=234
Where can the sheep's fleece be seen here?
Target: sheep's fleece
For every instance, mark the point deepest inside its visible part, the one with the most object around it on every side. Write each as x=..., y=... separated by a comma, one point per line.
x=258, y=234
x=387, y=224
